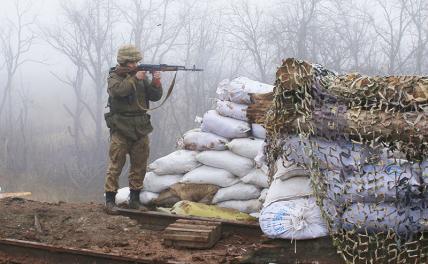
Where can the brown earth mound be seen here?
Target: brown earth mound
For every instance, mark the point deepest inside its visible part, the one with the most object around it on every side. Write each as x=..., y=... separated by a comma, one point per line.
x=87, y=226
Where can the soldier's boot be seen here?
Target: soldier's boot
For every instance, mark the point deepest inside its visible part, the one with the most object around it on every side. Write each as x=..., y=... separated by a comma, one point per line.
x=110, y=206
x=134, y=201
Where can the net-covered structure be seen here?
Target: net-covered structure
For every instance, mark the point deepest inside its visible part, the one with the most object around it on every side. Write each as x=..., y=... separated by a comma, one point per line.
x=364, y=141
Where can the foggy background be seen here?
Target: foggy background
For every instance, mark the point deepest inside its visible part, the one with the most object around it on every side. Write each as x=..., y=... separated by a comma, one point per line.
x=55, y=55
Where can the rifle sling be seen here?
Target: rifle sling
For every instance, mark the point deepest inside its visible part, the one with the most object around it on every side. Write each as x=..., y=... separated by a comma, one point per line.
x=171, y=87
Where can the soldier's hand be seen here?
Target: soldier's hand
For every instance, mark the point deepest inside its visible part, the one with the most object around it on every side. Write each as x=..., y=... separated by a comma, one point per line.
x=156, y=75
x=140, y=75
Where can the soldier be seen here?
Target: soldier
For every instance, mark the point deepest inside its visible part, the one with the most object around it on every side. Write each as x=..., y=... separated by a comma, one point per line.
x=129, y=123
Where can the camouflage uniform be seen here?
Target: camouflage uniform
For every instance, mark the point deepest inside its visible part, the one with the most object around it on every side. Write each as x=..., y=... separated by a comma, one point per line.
x=129, y=124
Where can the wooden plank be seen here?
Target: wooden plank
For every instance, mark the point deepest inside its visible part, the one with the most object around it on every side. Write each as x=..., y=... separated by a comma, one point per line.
x=196, y=238
x=195, y=229
x=197, y=222
x=14, y=194
x=191, y=226
x=192, y=234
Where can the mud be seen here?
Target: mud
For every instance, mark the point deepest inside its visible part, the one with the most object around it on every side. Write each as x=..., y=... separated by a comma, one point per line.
x=87, y=226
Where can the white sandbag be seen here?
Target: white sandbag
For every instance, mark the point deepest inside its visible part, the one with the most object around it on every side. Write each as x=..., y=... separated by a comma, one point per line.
x=155, y=183
x=335, y=155
x=377, y=217
x=295, y=219
x=255, y=215
x=256, y=177
x=200, y=141
x=258, y=131
x=373, y=183
x=296, y=150
x=263, y=194
x=238, y=89
x=224, y=126
x=239, y=191
x=122, y=196
x=286, y=169
x=178, y=162
x=148, y=197
x=249, y=206
x=226, y=160
x=296, y=187
x=232, y=110
x=260, y=158
x=210, y=175
x=246, y=147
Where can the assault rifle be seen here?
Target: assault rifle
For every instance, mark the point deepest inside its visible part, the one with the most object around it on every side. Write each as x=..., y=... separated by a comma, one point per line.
x=123, y=71
x=152, y=68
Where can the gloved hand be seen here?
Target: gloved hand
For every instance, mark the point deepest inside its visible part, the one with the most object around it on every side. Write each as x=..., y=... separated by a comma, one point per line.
x=156, y=80
x=140, y=75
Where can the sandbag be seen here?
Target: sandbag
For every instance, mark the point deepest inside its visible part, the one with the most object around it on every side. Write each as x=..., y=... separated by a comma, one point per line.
x=258, y=131
x=122, y=196
x=224, y=126
x=296, y=187
x=246, y=147
x=239, y=191
x=372, y=184
x=296, y=150
x=256, y=177
x=255, y=215
x=210, y=175
x=232, y=110
x=260, y=158
x=178, y=162
x=335, y=155
x=155, y=183
x=379, y=217
x=238, y=90
x=286, y=169
x=227, y=160
x=148, y=197
x=200, y=141
x=263, y=194
x=249, y=206
x=201, y=193
x=203, y=210
x=295, y=219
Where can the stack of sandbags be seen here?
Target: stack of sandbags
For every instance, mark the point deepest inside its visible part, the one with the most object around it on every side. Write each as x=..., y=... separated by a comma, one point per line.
x=167, y=171
x=217, y=163
x=289, y=210
x=365, y=146
x=228, y=145
x=370, y=195
x=162, y=174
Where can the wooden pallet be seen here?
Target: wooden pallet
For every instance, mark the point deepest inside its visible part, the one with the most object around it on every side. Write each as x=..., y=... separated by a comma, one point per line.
x=192, y=234
x=16, y=194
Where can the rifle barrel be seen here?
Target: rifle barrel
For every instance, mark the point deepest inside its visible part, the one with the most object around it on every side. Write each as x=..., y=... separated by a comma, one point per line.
x=165, y=67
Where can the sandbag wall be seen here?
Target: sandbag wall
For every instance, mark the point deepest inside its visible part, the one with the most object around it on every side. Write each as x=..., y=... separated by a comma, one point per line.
x=216, y=163
x=364, y=142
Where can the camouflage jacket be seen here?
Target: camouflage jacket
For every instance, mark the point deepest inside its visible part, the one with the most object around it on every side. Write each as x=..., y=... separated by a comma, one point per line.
x=126, y=95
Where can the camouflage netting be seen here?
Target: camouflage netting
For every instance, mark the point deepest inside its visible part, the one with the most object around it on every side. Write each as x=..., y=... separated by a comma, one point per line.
x=365, y=144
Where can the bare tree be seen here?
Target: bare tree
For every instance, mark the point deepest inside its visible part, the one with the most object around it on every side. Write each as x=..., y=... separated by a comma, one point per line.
x=293, y=27
x=16, y=40
x=418, y=12
x=393, y=34
x=94, y=23
x=249, y=33
x=69, y=42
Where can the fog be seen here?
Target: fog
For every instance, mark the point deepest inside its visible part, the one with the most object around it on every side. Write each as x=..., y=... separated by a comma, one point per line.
x=55, y=56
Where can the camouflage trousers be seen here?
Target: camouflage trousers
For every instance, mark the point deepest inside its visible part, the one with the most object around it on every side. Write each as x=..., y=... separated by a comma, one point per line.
x=138, y=152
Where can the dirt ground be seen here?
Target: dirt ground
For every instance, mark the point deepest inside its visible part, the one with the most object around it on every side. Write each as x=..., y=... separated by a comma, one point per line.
x=87, y=226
